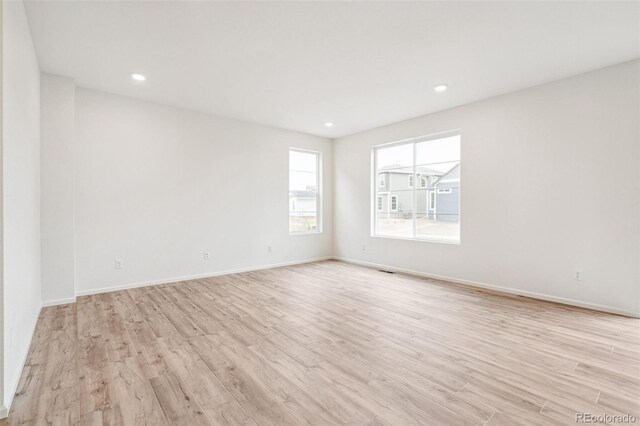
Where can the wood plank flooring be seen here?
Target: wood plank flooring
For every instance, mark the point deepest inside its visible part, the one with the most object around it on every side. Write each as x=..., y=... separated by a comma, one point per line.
x=325, y=343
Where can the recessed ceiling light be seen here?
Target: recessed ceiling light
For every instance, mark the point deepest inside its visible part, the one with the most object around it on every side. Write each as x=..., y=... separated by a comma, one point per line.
x=138, y=77
x=440, y=88
x=328, y=124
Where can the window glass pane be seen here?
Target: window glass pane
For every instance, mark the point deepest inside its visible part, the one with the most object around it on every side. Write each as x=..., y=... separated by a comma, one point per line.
x=302, y=161
x=395, y=218
x=438, y=151
x=303, y=192
x=439, y=162
x=302, y=181
x=394, y=157
x=422, y=201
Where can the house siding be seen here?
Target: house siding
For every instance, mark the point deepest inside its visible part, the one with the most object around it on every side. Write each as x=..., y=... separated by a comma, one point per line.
x=448, y=204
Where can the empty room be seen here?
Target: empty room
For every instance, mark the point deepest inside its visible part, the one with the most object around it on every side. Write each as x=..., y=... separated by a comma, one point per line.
x=326, y=213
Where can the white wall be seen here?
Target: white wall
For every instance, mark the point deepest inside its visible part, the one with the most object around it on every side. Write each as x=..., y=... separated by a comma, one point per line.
x=156, y=186
x=57, y=124
x=550, y=184
x=21, y=191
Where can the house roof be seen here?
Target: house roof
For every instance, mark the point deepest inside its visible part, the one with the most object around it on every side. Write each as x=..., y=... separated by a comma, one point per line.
x=448, y=174
x=399, y=168
x=302, y=194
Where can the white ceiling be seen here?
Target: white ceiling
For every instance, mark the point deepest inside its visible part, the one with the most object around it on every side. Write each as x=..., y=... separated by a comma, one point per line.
x=298, y=65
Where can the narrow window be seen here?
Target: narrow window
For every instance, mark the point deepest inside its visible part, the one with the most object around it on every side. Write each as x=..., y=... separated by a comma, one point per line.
x=381, y=180
x=305, y=192
x=410, y=180
x=394, y=203
x=379, y=202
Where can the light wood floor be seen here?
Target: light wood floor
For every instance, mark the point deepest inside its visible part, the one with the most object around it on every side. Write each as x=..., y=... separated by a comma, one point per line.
x=325, y=343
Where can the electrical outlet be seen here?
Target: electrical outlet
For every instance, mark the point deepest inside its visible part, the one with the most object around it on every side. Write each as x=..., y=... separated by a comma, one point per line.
x=577, y=275
x=119, y=264
x=269, y=249
x=206, y=255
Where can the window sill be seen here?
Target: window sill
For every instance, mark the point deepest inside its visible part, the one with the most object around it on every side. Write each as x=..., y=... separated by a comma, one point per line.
x=421, y=240
x=305, y=233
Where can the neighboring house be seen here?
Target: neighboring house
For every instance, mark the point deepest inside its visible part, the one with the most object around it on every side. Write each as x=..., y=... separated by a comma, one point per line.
x=395, y=191
x=437, y=195
x=302, y=202
x=444, y=197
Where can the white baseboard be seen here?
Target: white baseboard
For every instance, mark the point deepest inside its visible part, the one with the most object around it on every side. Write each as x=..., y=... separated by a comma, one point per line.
x=4, y=409
x=57, y=302
x=531, y=294
x=198, y=276
x=510, y=290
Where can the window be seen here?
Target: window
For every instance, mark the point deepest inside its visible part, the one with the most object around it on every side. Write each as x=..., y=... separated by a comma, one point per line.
x=379, y=203
x=430, y=209
x=394, y=203
x=304, y=191
x=381, y=180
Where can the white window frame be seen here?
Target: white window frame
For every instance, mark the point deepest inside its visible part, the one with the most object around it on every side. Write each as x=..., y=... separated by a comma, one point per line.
x=432, y=200
x=391, y=202
x=423, y=182
x=319, y=179
x=410, y=180
x=382, y=180
x=374, y=193
x=380, y=203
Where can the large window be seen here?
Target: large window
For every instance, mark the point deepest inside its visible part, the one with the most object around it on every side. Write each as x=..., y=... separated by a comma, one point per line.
x=427, y=211
x=304, y=191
